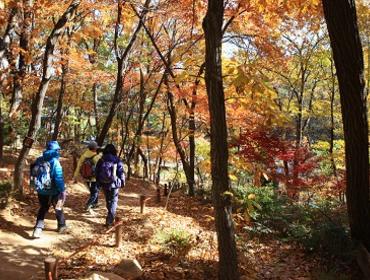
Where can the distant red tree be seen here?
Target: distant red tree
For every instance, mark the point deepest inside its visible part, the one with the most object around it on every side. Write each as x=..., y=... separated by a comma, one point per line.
x=277, y=156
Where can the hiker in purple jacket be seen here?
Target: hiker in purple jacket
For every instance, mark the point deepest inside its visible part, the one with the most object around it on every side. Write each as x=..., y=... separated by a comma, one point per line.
x=110, y=177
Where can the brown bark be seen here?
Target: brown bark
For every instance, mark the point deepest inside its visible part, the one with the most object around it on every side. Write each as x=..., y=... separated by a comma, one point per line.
x=2, y=132
x=341, y=20
x=63, y=84
x=23, y=63
x=212, y=25
x=38, y=100
x=10, y=32
x=332, y=124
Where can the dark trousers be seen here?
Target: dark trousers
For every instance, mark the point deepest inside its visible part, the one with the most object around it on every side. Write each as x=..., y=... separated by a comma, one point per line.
x=111, y=199
x=45, y=201
x=94, y=194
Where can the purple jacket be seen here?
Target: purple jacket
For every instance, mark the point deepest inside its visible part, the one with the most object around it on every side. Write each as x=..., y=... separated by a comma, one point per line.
x=120, y=175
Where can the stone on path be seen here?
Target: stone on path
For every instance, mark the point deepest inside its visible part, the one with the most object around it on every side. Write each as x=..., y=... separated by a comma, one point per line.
x=129, y=269
x=103, y=276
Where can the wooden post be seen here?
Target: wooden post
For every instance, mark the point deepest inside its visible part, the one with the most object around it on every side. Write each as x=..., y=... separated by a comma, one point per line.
x=142, y=203
x=158, y=195
x=165, y=190
x=118, y=233
x=51, y=268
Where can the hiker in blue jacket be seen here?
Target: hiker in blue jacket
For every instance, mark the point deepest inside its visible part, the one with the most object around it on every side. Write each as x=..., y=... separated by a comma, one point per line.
x=53, y=195
x=110, y=177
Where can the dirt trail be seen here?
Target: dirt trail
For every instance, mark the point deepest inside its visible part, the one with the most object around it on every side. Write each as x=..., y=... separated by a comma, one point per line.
x=21, y=257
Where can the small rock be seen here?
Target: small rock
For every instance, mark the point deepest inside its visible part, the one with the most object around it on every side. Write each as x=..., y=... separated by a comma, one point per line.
x=103, y=276
x=129, y=269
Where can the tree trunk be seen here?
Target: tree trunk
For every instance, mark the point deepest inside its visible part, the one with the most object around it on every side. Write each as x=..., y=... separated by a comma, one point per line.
x=96, y=113
x=341, y=20
x=212, y=25
x=332, y=124
x=2, y=134
x=38, y=100
x=10, y=33
x=59, y=111
x=115, y=102
x=23, y=61
x=173, y=117
x=158, y=161
x=120, y=61
x=145, y=162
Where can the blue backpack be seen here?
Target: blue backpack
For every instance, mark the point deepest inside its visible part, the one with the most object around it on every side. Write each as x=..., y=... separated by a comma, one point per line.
x=107, y=172
x=40, y=175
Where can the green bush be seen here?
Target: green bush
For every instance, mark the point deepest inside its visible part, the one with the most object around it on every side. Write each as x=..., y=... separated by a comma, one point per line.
x=176, y=242
x=315, y=225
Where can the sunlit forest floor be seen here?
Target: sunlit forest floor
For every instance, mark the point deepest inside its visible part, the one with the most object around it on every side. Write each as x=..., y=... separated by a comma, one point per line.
x=22, y=258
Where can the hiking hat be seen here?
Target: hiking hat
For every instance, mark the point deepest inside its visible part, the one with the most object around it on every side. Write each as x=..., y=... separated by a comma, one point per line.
x=53, y=145
x=93, y=145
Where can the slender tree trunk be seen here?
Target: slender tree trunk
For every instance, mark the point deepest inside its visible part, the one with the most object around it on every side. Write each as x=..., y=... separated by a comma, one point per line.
x=23, y=61
x=212, y=25
x=63, y=84
x=38, y=100
x=59, y=111
x=341, y=20
x=2, y=132
x=96, y=113
x=158, y=161
x=175, y=137
x=192, y=133
x=332, y=124
x=120, y=61
x=10, y=33
x=115, y=102
x=145, y=162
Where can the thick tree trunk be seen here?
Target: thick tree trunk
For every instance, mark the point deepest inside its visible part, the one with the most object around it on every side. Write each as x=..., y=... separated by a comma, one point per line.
x=341, y=20
x=38, y=100
x=212, y=25
x=23, y=61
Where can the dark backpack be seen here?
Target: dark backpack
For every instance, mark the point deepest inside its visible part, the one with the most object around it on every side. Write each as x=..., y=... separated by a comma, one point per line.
x=40, y=175
x=87, y=169
x=107, y=172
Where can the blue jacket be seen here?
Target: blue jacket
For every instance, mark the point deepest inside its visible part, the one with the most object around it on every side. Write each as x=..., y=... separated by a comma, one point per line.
x=120, y=182
x=52, y=156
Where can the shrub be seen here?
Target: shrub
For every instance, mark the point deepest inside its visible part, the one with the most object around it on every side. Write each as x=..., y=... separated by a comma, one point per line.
x=176, y=242
x=317, y=226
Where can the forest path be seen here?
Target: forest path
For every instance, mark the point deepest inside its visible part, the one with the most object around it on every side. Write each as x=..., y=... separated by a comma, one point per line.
x=21, y=256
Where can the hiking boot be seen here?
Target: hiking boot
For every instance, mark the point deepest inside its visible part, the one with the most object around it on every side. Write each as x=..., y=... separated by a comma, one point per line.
x=36, y=233
x=108, y=225
x=62, y=229
x=89, y=207
x=94, y=206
